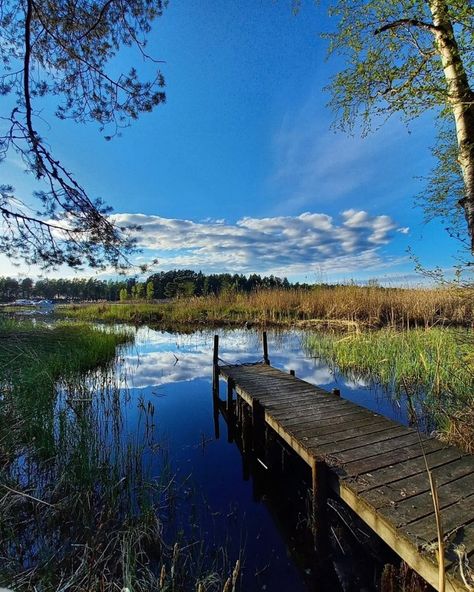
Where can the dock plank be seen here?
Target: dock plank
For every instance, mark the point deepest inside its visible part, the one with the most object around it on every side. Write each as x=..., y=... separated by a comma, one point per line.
x=407, y=487
x=406, y=468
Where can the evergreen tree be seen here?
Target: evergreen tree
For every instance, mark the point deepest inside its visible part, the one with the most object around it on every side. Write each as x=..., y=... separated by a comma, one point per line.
x=62, y=50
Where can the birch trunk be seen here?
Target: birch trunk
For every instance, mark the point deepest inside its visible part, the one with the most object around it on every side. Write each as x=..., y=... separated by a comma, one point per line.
x=461, y=99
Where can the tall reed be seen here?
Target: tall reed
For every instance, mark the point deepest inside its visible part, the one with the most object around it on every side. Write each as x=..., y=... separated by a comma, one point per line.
x=79, y=509
x=436, y=364
x=353, y=305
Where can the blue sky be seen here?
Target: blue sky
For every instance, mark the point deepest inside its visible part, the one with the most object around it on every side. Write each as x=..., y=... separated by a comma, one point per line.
x=240, y=171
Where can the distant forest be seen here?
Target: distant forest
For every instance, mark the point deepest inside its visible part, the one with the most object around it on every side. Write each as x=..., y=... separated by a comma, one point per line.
x=165, y=284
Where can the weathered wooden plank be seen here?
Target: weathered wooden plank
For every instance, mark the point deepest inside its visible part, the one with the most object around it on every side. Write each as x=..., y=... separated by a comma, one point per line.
x=310, y=417
x=406, y=488
x=283, y=399
x=460, y=539
x=335, y=426
x=292, y=416
x=308, y=422
x=390, y=457
x=323, y=437
x=269, y=388
x=367, y=445
x=422, y=562
x=405, y=468
x=421, y=505
x=287, y=401
x=287, y=409
x=453, y=517
x=306, y=394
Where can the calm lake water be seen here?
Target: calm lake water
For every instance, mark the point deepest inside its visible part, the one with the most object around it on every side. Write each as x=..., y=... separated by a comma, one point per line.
x=169, y=376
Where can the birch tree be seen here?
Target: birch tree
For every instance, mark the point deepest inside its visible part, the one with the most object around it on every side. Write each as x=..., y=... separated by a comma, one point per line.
x=409, y=56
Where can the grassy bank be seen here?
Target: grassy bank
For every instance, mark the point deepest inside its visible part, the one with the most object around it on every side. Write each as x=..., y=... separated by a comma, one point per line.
x=353, y=305
x=435, y=363
x=35, y=358
x=78, y=509
x=28, y=348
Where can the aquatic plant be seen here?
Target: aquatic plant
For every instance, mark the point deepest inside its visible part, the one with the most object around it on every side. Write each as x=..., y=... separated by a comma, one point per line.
x=438, y=361
x=436, y=365
x=79, y=509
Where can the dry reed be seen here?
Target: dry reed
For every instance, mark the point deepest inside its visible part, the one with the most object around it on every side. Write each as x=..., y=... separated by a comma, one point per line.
x=360, y=306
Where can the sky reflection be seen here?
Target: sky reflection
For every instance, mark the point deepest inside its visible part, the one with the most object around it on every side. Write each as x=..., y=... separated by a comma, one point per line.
x=160, y=358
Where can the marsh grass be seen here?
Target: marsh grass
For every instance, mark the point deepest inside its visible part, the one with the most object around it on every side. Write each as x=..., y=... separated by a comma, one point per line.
x=79, y=509
x=436, y=364
x=347, y=305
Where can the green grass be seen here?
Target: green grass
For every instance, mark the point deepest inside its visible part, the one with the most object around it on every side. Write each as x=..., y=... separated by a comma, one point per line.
x=438, y=361
x=29, y=349
x=78, y=509
x=436, y=365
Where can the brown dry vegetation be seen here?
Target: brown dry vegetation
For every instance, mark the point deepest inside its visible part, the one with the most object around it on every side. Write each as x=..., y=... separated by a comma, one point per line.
x=369, y=306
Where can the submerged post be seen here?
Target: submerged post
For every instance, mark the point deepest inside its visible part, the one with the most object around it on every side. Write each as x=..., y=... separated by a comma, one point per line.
x=229, y=405
x=266, y=359
x=216, y=420
x=215, y=369
x=230, y=411
x=320, y=494
x=258, y=428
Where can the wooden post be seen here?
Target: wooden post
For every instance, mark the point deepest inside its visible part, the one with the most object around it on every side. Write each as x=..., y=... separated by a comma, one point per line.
x=258, y=428
x=230, y=411
x=266, y=359
x=230, y=388
x=320, y=493
x=246, y=429
x=216, y=419
x=246, y=432
x=215, y=369
x=292, y=372
x=336, y=391
x=240, y=409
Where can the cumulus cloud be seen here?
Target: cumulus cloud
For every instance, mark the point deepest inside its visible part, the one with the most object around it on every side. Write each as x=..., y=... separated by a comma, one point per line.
x=280, y=244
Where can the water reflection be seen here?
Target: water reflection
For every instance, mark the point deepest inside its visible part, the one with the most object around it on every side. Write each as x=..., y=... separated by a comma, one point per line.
x=160, y=358
x=220, y=494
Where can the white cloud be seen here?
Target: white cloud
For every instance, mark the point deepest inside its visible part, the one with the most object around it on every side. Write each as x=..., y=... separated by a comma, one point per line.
x=310, y=243
x=280, y=244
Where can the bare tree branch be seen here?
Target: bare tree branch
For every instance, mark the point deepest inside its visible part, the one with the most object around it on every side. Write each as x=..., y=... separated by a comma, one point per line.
x=407, y=22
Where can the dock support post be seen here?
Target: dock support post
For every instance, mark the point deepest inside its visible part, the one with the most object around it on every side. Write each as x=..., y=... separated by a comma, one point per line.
x=266, y=359
x=319, y=494
x=216, y=419
x=258, y=428
x=246, y=432
x=215, y=369
x=238, y=409
x=230, y=411
x=230, y=389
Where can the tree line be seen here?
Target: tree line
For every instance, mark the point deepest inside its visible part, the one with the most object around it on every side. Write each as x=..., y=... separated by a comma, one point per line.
x=165, y=284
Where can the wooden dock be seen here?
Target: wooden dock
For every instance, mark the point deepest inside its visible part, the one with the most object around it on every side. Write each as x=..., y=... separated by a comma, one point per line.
x=375, y=465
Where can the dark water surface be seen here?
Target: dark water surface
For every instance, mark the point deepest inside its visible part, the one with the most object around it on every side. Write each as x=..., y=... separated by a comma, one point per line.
x=169, y=376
